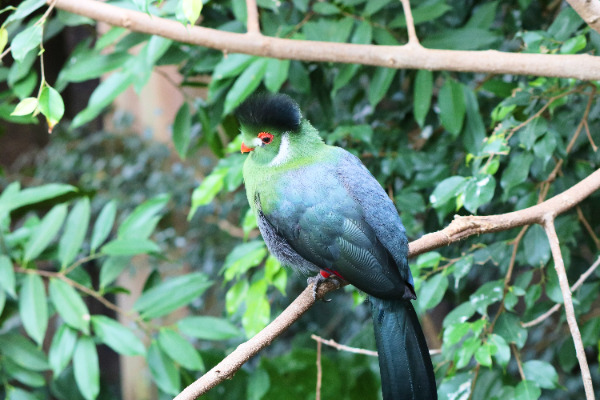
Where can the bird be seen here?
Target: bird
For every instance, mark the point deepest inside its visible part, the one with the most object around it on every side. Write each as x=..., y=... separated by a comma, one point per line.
x=320, y=211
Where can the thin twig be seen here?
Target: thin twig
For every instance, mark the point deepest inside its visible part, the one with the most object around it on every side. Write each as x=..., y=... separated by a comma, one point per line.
x=557, y=306
x=410, y=23
x=86, y=290
x=588, y=227
x=252, y=23
x=568, y=302
x=319, y=371
x=342, y=347
x=518, y=359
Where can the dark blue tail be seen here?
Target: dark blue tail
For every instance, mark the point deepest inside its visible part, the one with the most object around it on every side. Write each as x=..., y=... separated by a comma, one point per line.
x=406, y=370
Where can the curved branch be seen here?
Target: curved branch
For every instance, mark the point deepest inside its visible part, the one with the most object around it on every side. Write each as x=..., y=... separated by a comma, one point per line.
x=460, y=228
x=582, y=66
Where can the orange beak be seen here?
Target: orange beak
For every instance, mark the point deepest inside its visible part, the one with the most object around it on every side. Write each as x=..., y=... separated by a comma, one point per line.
x=246, y=149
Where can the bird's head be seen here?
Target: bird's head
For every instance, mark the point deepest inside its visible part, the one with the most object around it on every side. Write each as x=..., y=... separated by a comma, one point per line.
x=273, y=128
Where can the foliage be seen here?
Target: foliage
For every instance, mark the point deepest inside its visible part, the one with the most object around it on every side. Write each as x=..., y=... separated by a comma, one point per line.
x=440, y=143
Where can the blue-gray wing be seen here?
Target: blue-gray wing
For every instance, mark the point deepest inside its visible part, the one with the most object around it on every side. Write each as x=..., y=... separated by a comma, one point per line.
x=379, y=211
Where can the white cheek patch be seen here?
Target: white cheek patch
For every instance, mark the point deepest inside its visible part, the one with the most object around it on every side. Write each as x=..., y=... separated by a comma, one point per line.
x=284, y=151
x=256, y=142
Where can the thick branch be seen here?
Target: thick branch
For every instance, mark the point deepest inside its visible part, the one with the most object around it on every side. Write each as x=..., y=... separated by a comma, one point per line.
x=582, y=66
x=463, y=227
x=589, y=11
x=460, y=228
x=563, y=282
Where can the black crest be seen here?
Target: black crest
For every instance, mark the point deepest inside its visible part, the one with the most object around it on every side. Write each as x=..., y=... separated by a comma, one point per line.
x=278, y=111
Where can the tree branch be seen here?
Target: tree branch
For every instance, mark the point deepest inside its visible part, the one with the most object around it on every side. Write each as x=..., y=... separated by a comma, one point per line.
x=582, y=66
x=252, y=24
x=410, y=23
x=589, y=11
x=460, y=228
x=568, y=301
x=557, y=306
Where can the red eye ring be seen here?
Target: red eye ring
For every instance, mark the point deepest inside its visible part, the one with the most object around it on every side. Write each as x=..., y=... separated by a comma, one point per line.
x=266, y=137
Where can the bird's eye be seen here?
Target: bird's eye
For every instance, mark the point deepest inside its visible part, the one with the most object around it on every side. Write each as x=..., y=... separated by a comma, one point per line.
x=266, y=137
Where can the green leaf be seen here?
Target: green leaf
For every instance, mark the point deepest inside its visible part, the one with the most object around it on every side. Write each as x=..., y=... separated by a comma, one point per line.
x=191, y=10
x=517, y=171
x=380, y=83
x=423, y=90
x=171, y=295
x=542, y=373
x=163, y=371
x=466, y=38
x=23, y=352
x=243, y=257
x=129, y=247
x=137, y=223
x=90, y=64
x=430, y=259
x=75, y=230
x=565, y=24
x=116, y=336
x=24, y=375
x=489, y=293
x=86, y=368
x=45, y=232
x=446, y=190
x=462, y=268
x=25, y=9
x=474, y=132
x=208, y=189
x=245, y=84
x=479, y=191
x=25, y=106
x=111, y=269
x=61, y=349
x=2, y=300
x=182, y=127
x=69, y=305
x=33, y=308
x=573, y=45
x=375, y=5
x=208, y=328
x=25, y=41
x=236, y=295
x=509, y=327
x=102, y=96
x=180, y=350
x=103, y=225
x=527, y=390
x=33, y=195
x=460, y=314
x=258, y=308
x=502, y=354
x=7, y=276
x=451, y=101
x=454, y=333
x=232, y=65
x=536, y=246
x=51, y=106
x=483, y=355
x=259, y=381
x=276, y=73
x=432, y=291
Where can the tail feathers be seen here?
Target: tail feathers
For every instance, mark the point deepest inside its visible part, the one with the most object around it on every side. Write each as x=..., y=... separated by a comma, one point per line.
x=406, y=369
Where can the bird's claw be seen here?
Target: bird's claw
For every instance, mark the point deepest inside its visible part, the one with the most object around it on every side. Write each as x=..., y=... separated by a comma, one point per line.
x=318, y=279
